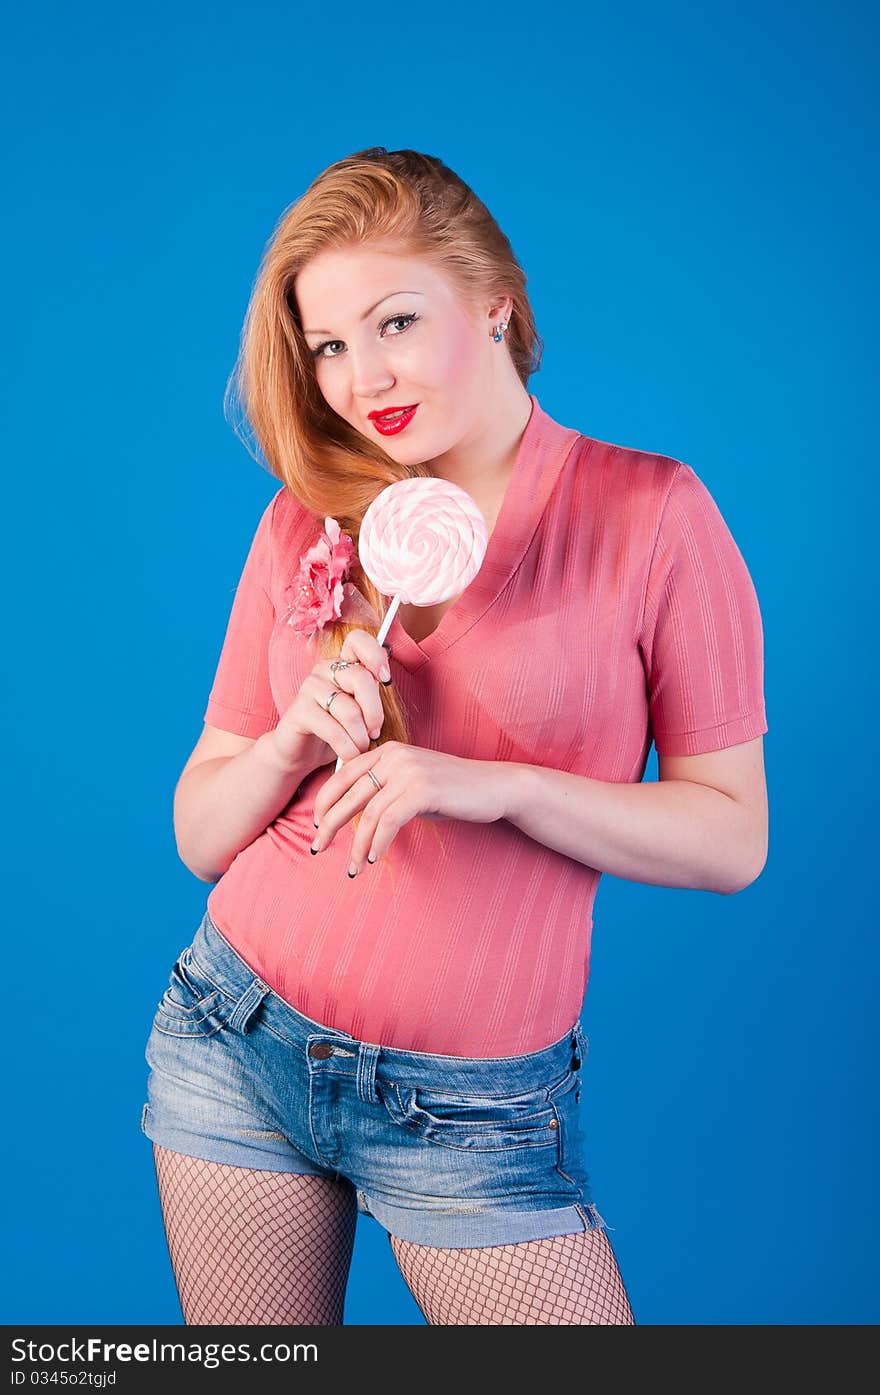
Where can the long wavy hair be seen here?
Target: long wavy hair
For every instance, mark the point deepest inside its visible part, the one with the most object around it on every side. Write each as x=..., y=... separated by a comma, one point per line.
x=411, y=203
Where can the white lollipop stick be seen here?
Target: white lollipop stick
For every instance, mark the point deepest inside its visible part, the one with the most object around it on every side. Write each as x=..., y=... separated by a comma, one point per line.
x=389, y=616
x=422, y=541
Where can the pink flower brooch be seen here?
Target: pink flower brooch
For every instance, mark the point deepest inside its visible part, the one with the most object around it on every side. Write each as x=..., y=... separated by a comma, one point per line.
x=321, y=592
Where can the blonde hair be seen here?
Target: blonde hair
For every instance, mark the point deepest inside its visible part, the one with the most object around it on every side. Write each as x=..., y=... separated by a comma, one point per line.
x=417, y=206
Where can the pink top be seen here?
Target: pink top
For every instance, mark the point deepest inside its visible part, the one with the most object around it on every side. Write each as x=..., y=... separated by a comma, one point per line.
x=612, y=605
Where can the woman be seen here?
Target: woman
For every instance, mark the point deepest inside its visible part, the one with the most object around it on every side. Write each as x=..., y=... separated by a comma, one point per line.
x=404, y=1040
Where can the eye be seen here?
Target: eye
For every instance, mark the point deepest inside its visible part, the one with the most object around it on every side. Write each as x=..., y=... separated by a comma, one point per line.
x=404, y=320
x=319, y=352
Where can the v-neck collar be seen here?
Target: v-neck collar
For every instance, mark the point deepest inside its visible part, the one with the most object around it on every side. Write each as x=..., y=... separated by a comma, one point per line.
x=542, y=450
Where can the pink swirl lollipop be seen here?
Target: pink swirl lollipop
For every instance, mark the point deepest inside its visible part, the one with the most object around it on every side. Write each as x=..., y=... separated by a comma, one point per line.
x=421, y=541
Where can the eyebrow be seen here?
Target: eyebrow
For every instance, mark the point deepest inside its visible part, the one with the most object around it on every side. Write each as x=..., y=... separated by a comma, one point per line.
x=379, y=302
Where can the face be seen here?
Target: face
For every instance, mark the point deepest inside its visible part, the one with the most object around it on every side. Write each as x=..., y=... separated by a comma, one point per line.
x=388, y=331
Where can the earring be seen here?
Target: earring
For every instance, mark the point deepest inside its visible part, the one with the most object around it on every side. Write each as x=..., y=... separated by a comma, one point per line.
x=499, y=332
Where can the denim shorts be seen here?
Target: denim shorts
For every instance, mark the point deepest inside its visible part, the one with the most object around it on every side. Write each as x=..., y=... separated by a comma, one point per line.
x=442, y=1150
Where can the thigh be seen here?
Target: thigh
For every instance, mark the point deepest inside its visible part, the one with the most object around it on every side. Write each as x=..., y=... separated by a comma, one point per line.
x=255, y=1247
x=561, y=1280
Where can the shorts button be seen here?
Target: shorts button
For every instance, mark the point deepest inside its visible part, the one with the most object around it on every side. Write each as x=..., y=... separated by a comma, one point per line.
x=321, y=1049
x=554, y=1124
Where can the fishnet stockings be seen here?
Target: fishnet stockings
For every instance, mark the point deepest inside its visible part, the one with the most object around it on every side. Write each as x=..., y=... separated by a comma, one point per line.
x=565, y=1280
x=257, y=1248
x=253, y=1247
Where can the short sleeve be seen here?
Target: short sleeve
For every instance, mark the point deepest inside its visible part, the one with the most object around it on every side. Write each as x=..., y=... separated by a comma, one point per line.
x=241, y=699
x=702, y=640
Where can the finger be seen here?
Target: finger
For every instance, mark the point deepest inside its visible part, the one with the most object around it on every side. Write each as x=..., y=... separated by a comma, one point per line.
x=357, y=680
x=341, y=781
x=341, y=725
x=381, y=821
x=360, y=644
x=350, y=803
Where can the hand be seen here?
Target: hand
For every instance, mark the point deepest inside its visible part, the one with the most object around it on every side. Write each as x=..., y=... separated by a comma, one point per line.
x=414, y=781
x=308, y=733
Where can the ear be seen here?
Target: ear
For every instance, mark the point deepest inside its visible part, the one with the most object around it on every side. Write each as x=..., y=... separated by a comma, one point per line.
x=493, y=312
x=502, y=310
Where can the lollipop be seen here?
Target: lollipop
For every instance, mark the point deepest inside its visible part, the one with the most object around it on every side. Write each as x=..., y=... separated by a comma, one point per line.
x=422, y=541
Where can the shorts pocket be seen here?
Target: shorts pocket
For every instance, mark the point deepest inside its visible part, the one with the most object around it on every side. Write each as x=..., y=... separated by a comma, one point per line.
x=528, y=1119
x=192, y=1004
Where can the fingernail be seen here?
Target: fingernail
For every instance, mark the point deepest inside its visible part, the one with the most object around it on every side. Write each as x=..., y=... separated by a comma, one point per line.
x=385, y=674
x=313, y=850
x=315, y=822
x=352, y=871
x=373, y=737
x=371, y=857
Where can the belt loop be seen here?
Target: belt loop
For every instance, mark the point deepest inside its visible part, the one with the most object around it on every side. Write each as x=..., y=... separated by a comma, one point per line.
x=366, y=1072
x=247, y=1005
x=579, y=1042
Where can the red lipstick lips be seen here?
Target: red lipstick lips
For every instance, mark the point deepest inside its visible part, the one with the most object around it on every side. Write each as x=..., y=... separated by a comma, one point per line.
x=388, y=425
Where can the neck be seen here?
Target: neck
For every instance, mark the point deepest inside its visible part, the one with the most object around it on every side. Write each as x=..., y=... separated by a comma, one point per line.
x=483, y=459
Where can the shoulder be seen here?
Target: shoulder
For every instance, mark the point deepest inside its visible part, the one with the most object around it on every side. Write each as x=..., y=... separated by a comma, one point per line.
x=288, y=518
x=631, y=483
x=290, y=528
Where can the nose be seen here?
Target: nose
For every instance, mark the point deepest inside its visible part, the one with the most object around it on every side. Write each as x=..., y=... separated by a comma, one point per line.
x=370, y=377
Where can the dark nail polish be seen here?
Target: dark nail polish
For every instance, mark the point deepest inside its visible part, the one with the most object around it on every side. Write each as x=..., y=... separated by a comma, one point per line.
x=315, y=822
x=386, y=682
x=370, y=857
x=314, y=851
x=352, y=874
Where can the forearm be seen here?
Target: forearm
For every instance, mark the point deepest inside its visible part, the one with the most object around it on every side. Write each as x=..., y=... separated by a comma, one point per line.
x=222, y=805
x=667, y=833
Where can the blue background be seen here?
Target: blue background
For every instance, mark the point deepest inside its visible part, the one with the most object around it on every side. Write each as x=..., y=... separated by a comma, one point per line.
x=691, y=194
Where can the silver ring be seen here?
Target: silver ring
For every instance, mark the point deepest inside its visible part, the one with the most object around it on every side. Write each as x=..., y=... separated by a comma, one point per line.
x=375, y=781
x=335, y=693
x=341, y=663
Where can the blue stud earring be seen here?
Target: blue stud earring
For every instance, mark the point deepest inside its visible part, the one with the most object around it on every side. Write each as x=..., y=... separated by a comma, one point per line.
x=499, y=332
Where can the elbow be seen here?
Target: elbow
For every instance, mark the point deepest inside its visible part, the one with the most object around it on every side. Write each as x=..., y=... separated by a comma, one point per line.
x=201, y=874
x=752, y=874
x=204, y=876
x=198, y=872
x=209, y=877
x=750, y=868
